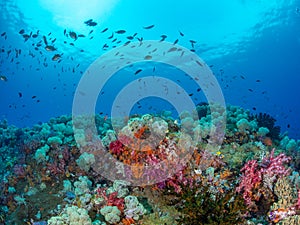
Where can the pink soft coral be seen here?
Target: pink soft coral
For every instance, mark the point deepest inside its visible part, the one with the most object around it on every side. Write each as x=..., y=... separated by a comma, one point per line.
x=254, y=174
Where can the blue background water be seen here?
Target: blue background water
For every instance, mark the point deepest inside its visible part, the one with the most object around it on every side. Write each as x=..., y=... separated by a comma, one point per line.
x=243, y=41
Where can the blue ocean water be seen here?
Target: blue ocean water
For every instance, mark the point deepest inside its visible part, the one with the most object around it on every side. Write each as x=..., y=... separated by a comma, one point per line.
x=252, y=47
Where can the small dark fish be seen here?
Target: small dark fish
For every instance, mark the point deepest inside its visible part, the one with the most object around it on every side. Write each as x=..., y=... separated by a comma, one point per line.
x=192, y=43
x=50, y=48
x=254, y=108
x=105, y=46
x=33, y=97
x=65, y=31
x=49, y=34
x=110, y=37
x=288, y=126
x=250, y=90
x=140, y=39
x=120, y=31
x=81, y=35
x=91, y=23
x=242, y=77
x=91, y=31
x=149, y=27
x=130, y=38
x=175, y=42
x=73, y=35
x=20, y=95
x=114, y=40
x=3, y=34
x=56, y=57
x=105, y=29
x=257, y=81
x=138, y=71
x=126, y=43
x=199, y=89
x=3, y=78
x=26, y=37
x=191, y=94
x=181, y=34
x=172, y=49
x=35, y=35
x=163, y=37
x=45, y=40
x=148, y=57
x=53, y=40
x=22, y=31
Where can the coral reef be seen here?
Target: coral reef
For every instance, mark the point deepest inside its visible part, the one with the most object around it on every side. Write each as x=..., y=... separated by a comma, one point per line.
x=204, y=173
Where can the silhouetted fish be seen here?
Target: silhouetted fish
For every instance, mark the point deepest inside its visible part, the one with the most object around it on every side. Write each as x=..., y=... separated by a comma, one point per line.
x=73, y=35
x=26, y=37
x=110, y=37
x=120, y=31
x=56, y=57
x=105, y=29
x=50, y=48
x=138, y=71
x=163, y=37
x=45, y=40
x=149, y=27
x=90, y=22
x=3, y=78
